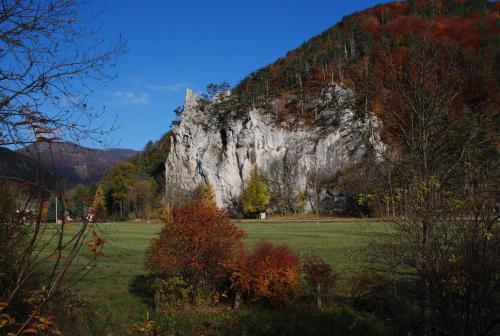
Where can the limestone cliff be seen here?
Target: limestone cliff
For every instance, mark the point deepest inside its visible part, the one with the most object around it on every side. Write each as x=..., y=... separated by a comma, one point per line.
x=223, y=152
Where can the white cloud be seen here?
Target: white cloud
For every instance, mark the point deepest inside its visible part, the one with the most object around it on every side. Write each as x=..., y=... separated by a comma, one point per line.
x=131, y=97
x=169, y=88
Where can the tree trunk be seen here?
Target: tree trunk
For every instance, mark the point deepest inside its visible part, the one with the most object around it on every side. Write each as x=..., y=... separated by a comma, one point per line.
x=318, y=293
x=237, y=300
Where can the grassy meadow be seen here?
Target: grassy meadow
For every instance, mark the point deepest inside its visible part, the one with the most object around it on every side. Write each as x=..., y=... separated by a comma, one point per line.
x=113, y=288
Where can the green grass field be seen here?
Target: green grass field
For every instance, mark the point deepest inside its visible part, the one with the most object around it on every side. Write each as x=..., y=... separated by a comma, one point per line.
x=112, y=286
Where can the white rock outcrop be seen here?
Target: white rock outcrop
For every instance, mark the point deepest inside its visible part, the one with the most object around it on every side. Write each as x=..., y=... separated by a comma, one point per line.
x=224, y=153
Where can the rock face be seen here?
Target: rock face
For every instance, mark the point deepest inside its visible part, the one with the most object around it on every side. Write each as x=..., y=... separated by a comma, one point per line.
x=224, y=153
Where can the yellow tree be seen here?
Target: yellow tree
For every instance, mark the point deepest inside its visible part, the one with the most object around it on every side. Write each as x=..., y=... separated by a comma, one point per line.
x=205, y=192
x=255, y=198
x=99, y=204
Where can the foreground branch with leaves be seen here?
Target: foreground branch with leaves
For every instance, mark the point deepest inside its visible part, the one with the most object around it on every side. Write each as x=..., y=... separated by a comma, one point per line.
x=50, y=57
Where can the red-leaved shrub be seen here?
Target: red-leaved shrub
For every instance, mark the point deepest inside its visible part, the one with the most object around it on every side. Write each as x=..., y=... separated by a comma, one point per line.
x=319, y=275
x=198, y=243
x=269, y=273
x=319, y=272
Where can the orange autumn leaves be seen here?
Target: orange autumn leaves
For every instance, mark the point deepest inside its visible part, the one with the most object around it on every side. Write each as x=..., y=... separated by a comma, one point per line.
x=35, y=121
x=96, y=244
x=200, y=243
x=269, y=273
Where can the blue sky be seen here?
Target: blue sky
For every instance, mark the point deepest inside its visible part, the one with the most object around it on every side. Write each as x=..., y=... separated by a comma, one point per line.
x=173, y=45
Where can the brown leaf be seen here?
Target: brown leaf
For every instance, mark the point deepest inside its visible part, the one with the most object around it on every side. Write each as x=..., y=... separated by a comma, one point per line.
x=22, y=123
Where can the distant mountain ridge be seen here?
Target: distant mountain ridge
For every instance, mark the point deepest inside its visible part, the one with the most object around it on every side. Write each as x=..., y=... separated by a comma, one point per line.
x=17, y=167
x=75, y=163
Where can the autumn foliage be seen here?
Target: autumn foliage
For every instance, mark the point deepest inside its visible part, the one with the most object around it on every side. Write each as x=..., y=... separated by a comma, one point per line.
x=319, y=272
x=269, y=274
x=255, y=197
x=357, y=52
x=198, y=243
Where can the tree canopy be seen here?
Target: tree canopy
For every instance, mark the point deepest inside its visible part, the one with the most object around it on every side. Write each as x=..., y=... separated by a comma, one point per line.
x=255, y=197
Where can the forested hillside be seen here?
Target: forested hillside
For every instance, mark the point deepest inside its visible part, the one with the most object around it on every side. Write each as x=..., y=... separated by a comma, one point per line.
x=22, y=169
x=75, y=163
x=368, y=51
x=136, y=187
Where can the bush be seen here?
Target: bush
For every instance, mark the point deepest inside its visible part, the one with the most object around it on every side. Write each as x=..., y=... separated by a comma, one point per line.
x=199, y=244
x=14, y=235
x=168, y=292
x=320, y=276
x=269, y=273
